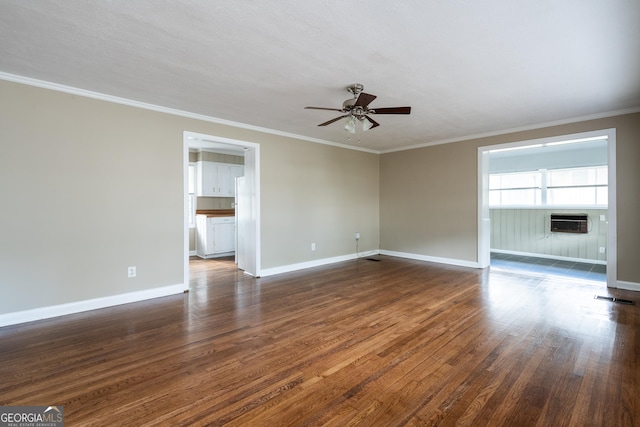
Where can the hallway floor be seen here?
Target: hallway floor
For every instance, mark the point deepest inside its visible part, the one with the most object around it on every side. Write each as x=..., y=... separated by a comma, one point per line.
x=546, y=266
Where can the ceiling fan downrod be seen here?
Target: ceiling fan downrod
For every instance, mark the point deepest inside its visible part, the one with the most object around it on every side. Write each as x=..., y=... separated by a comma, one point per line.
x=355, y=89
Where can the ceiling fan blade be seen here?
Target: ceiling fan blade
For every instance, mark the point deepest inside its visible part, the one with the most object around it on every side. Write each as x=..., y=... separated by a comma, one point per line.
x=322, y=108
x=374, y=124
x=333, y=120
x=364, y=99
x=391, y=110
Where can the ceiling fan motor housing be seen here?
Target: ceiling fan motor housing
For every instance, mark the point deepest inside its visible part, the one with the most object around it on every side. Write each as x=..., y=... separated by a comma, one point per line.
x=348, y=104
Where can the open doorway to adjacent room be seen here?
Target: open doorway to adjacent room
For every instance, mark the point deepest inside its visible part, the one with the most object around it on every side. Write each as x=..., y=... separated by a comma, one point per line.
x=221, y=224
x=547, y=206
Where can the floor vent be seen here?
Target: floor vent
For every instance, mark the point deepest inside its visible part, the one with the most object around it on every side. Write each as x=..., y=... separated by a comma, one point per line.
x=612, y=299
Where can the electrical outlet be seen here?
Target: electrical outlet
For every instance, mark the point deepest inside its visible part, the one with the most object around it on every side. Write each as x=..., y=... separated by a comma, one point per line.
x=131, y=271
x=602, y=249
x=602, y=218
x=313, y=246
x=357, y=236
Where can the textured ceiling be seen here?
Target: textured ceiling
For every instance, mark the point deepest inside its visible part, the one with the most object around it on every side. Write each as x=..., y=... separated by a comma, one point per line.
x=466, y=68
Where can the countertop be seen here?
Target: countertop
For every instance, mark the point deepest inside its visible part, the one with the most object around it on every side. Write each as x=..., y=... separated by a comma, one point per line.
x=216, y=212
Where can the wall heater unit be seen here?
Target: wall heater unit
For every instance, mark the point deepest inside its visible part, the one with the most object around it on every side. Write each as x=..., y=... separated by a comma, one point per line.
x=569, y=223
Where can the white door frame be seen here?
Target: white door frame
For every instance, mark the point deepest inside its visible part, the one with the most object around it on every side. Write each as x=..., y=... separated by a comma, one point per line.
x=252, y=169
x=484, y=224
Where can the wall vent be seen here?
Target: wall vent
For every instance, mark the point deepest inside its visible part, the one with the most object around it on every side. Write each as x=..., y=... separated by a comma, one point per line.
x=569, y=223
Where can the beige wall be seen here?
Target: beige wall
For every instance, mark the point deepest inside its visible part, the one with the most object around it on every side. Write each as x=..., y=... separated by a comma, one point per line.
x=428, y=202
x=317, y=194
x=207, y=156
x=428, y=196
x=91, y=187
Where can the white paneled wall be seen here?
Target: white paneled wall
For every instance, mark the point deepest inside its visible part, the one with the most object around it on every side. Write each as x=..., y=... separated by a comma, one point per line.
x=528, y=231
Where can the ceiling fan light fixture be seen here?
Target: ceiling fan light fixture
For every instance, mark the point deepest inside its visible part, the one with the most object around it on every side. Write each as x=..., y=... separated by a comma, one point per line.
x=366, y=124
x=350, y=126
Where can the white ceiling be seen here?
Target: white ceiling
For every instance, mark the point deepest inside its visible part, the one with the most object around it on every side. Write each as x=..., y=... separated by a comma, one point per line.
x=466, y=68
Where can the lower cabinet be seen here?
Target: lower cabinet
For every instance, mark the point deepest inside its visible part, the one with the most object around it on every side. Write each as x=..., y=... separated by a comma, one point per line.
x=216, y=236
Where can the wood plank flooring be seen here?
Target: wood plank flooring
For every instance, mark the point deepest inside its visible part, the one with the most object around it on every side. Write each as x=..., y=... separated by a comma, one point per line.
x=360, y=343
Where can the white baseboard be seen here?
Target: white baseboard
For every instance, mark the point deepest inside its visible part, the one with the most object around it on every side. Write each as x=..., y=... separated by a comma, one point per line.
x=450, y=261
x=315, y=263
x=218, y=255
x=629, y=286
x=556, y=257
x=325, y=261
x=86, y=305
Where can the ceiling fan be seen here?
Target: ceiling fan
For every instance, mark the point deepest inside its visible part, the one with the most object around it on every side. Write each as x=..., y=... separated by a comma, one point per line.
x=357, y=109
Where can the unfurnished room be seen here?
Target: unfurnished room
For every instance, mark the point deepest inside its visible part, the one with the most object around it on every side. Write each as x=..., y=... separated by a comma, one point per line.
x=381, y=213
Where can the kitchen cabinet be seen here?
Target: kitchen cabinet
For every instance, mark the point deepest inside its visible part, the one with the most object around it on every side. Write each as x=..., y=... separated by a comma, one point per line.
x=215, y=179
x=216, y=236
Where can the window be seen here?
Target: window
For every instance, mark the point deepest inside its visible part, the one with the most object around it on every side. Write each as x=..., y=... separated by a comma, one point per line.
x=578, y=186
x=191, y=198
x=518, y=188
x=585, y=186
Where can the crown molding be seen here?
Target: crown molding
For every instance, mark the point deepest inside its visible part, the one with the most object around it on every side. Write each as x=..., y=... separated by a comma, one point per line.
x=603, y=115
x=158, y=108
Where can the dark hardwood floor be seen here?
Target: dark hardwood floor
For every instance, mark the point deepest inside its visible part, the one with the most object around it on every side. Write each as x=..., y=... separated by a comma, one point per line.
x=388, y=343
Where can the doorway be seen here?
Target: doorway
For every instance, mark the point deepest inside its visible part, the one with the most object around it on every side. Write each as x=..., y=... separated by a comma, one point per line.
x=249, y=233
x=555, y=144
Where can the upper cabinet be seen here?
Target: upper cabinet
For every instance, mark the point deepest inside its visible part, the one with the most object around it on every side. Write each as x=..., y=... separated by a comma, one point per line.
x=215, y=179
